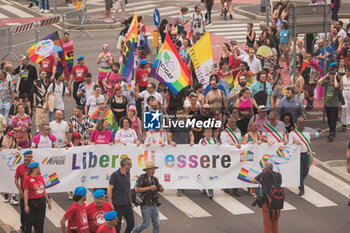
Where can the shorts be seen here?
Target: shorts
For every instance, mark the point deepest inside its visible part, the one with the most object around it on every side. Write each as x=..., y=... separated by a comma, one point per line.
x=283, y=47
x=108, y=4
x=41, y=116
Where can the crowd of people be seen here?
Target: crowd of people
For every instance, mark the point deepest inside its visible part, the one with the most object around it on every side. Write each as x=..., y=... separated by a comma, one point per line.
x=250, y=94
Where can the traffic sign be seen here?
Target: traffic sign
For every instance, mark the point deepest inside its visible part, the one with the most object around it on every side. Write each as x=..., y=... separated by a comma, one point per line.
x=156, y=17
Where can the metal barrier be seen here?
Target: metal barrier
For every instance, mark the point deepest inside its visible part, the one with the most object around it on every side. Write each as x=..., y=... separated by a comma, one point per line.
x=75, y=20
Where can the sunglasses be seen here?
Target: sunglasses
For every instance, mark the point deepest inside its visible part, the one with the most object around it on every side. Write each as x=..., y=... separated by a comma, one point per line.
x=207, y=108
x=105, y=48
x=101, y=104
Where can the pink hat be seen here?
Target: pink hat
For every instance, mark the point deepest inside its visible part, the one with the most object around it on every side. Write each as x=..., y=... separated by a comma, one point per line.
x=133, y=108
x=105, y=46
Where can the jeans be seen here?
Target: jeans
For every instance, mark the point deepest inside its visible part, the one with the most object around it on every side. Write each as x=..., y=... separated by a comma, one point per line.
x=304, y=168
x=120, y=5
x=149, y=213
x=75, y=91
x=44, y=4
x=126, y=212
x=36, y=216
x=52, y=114
x=4, y=110
x=23, y=213
x=332, y=118
x=209, y=8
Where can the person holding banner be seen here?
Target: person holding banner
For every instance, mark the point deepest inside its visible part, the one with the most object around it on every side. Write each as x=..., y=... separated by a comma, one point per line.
x=274, y=131
x=96, y=210
x=76, y=214
x=301, y=136
x=231, y=136
x=34, y=199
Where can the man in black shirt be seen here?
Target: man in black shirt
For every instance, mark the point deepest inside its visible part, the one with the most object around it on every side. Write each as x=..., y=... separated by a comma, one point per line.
x=149, y=186
x=27, y=75
x=119, y=195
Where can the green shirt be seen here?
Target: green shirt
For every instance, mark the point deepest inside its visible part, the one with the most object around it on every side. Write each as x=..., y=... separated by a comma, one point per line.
x=331, y=97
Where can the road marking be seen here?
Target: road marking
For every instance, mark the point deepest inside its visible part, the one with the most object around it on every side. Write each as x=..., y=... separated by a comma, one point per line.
x=141, y=7
x=16, y=11
x=232, y=30
x=13, y=24
x=288, y=206
x=3, y=16
x=233, y=25
x=140, y=3
x=330, y=180
x=55, y=214
x=230, y=203
x=8, y=214
x=185, y=205
x=314, y=197
x=138, y=211
x=160, y=10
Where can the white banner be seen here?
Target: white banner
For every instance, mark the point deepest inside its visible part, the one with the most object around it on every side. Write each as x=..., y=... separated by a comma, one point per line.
x=185, y=167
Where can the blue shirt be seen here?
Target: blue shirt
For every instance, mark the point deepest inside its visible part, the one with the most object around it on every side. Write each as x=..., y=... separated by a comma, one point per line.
x=284, y=36
x=294, y=107
x=257, y=87
x=330, y=55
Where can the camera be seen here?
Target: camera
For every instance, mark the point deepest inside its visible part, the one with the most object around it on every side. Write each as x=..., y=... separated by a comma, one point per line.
x=260, y=200
x=157, y=195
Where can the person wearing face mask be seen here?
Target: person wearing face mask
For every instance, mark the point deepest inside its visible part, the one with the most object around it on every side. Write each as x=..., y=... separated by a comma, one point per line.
x=96, y=210
x=112, y=78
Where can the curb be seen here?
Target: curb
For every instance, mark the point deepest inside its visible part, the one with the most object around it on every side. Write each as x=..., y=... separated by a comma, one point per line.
x=238, y=10
x=92, y=26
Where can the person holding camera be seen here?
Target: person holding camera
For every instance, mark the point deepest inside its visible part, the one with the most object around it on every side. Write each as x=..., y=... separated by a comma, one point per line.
x=268, y=178
x=149, y=186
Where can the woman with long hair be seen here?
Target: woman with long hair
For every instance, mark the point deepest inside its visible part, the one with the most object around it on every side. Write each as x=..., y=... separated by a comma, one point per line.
x=245, y=107
x=35, y=199
x=287, y=119
x=250, y=38
x=125, y=135
x=164, y=28
x=276, y=81
x=285, y=42
x=135, y=121
x=194, y=109
x=105, y=60
x=101, y=135
x=252, y=136
x=21, y=125
x=118, y=103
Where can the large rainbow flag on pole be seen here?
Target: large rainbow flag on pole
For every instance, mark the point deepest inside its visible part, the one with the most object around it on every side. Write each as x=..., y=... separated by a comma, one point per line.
x=169, y=69
x=128, y=53
x=46, y=46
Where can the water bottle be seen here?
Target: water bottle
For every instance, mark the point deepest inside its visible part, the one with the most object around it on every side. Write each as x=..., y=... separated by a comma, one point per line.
x=317, y=134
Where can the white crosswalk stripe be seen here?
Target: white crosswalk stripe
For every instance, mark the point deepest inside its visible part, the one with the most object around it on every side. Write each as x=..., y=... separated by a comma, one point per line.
x=15, y=10
x=314, y=197
x=9, y=215
x=138, y=212
x=55, y=214
x=230, y=203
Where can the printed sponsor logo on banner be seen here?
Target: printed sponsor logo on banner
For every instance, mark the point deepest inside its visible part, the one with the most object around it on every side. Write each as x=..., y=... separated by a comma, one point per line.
x=83, y=179
x=183, y=178
x=54, y=160
x=108, y=176
x=134, y=177
x=246, y=156
x=213, y=178
x=166, y=177
x=13, y=160
x=199, y=177
x=94, y=177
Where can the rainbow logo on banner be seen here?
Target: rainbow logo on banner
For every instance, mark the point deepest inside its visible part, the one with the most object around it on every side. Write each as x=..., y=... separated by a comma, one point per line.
x=247, y=175
x=45, y=47
x=51, y=180
x=46, y=161
x=18, y=158
x=169, y=69
x=128, y=52
x=263, y=160
x=247, y=156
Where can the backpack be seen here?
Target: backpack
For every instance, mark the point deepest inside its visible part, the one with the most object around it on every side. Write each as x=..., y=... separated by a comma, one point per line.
x=261, y=96
x=175, y=22
x=276, y=197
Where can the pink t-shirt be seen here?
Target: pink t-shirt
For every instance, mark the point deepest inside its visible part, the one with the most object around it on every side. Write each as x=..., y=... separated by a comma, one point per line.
x=101, y=137
x=112, y=79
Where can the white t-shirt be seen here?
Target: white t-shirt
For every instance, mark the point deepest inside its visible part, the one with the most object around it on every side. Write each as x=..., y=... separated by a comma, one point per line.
x=145, y=94
x=293, y=137
x=59, y=130
x=197, y=23
x=44, y=142
x=92, y=103
x=254, y=65
x=280, y=128
x=127, y=136
x=59, y=104
x=128, y=93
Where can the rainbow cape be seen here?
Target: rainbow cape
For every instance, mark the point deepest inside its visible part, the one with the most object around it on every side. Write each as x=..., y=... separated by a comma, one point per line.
x=128, y=52
x=45, y=47
x=169, y=69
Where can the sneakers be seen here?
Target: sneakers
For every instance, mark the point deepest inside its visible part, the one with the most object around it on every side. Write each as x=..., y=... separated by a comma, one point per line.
x=231, y=16
x=14, y=202
x=46, y=11
x=108, y=20
x=30, y=5
x=330, y=138
x=179, y=193
x=6, y=200
x=70, y=195
x=41, y=10
x=236, y=193
x=210, y=196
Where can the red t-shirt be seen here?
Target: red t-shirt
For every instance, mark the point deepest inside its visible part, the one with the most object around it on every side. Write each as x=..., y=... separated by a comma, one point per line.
x=96, y=215
x=79, y=72
x=141, y=77
x=47, y=63
x=35, y=186
x=21, y=172
x=77, y=218
x=105, y=229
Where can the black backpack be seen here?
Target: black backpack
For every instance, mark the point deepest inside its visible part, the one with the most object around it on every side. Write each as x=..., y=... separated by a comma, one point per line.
x=276, y=197
x=261, y=96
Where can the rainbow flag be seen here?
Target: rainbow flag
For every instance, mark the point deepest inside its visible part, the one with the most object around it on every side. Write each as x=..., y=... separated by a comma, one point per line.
x=169, y=69
x=45, y=47
x=247, y=156
x=247, y=175
x=51, y=180
x=128, y=52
